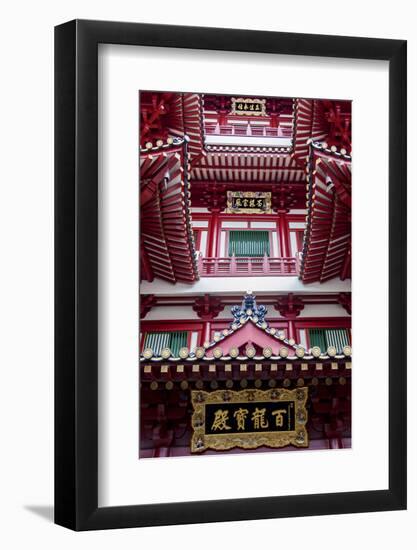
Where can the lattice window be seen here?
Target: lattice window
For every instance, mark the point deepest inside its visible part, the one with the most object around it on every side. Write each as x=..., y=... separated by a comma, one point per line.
x=157, y=341
x=249, y=243
x=323, y=338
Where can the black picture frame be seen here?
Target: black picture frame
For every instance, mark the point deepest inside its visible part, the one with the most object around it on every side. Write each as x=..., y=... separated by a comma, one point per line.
x=76, y=265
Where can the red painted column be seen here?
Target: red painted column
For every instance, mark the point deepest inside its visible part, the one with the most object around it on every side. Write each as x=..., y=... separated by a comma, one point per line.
x=213, y=233
x=284, y=237
x=291, y=329
x=205, y=335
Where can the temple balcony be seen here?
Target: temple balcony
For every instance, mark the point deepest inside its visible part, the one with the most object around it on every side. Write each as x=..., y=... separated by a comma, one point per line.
x=238, y=266
x=247, y=130
x=248, y=135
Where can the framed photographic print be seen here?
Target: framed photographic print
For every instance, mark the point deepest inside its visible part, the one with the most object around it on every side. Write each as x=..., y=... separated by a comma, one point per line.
x=230, y=275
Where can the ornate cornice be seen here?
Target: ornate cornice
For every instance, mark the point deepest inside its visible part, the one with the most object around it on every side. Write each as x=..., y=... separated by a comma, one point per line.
x=207, y=307
x=289, y=306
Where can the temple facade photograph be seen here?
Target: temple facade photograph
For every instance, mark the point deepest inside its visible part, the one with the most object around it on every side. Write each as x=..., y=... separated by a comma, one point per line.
x=245, y=274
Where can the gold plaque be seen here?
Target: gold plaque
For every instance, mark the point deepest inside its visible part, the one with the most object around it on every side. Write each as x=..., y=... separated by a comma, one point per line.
x=249, y=419
x=248, y=106
x=248, y=202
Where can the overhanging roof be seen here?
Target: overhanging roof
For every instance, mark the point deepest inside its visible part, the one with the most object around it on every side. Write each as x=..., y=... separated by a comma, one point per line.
x=249, y=328
x=327, y=242
x=167, y=241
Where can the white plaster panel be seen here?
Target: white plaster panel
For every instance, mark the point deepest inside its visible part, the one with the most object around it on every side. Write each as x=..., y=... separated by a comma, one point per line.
x=200, y=223
x=222, y=250
x=302, y=338
x=327, y=310
x=203, y=243
x=263, y=225
x=275, y=244
x=199, y=210
x=193, y=340
x=293, y=242
x=233, y=285
x=172, y=313
x=234, y=225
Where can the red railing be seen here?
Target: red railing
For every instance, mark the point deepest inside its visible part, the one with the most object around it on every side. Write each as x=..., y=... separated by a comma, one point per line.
x=247, y=130
x=243, y=267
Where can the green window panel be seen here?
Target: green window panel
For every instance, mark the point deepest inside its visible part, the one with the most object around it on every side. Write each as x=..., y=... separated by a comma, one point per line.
x=177, y=341
x=157, y=341
x=323, y=338
x=337, y=337
x=249, y=243
x=318, y=338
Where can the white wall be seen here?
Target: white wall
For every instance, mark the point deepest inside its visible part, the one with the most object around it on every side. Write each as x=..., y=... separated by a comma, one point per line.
x=239, y=285
x=171, y=312
x=329, y=310
x=26, y=403
x=186, y=312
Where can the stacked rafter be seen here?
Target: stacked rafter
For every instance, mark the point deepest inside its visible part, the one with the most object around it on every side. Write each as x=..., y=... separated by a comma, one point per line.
x=193, y=123
x=327, y=243
x=185, y=117
x=309, y=124
x=167, y=240
x=242, y=167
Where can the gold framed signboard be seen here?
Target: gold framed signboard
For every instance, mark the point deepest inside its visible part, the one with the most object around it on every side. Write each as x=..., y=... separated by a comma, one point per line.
x=248, y=106
x=248, y=202
x=248, y=419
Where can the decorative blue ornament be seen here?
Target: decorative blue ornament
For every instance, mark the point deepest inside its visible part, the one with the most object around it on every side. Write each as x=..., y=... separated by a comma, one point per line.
x=248, y=309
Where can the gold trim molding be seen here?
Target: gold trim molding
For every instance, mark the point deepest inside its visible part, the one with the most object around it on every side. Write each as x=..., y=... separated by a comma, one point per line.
x=246, y=202
x=201, y=441
x=248, y=106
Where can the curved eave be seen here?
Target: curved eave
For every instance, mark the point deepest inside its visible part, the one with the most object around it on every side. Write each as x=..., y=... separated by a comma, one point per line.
x=309, y=125
x=192, y=358
x=323, y=368
x=186, y=118
x=327, y=240
x=167, y=241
